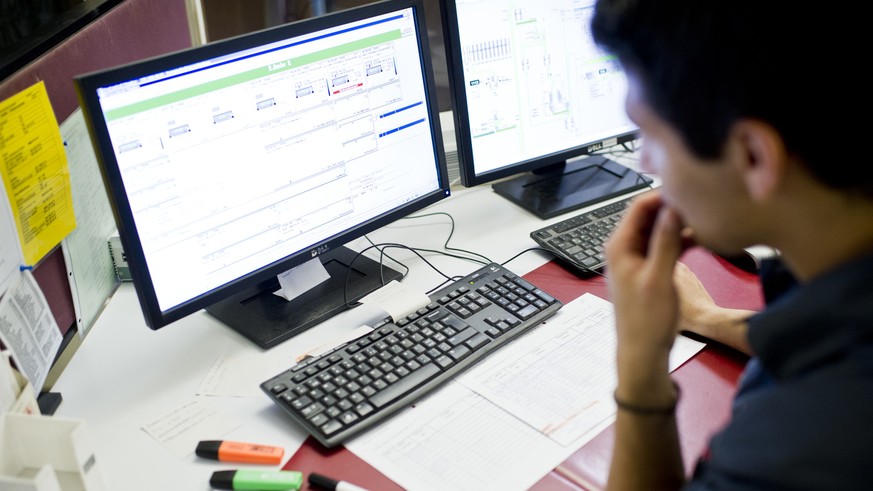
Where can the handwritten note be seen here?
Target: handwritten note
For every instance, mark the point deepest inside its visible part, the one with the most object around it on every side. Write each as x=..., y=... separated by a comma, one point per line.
x=180, y=429
x=35, y=173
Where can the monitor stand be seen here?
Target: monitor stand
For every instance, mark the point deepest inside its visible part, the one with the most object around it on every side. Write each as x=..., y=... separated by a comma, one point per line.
x=267, y=319
x=567, y=186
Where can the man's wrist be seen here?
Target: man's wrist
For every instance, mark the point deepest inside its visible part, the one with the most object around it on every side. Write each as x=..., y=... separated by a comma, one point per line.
x=648, y=409
x=729, y=327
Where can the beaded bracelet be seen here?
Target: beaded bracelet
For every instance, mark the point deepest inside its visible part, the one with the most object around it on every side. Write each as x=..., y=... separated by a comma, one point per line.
x=649, y=410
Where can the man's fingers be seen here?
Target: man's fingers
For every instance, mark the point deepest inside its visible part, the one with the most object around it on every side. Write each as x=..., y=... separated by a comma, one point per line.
x=632, y=235
x=666, y=243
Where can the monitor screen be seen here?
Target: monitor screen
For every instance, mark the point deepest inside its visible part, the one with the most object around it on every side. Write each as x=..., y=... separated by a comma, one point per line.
x=231, y=163
x=530, y=90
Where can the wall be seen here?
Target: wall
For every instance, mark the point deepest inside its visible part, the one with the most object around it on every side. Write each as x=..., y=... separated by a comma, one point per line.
x=132, y=30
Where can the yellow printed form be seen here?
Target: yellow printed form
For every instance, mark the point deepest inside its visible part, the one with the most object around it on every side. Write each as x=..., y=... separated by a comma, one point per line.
x=35, y=172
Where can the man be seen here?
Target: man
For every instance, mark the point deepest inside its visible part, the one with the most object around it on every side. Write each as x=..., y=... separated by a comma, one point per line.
x=739, y=103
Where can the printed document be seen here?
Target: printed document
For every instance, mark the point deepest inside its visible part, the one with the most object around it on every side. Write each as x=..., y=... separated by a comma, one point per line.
x=28, y=329
x=35, y=173
x=518, y=414
x=10, y=250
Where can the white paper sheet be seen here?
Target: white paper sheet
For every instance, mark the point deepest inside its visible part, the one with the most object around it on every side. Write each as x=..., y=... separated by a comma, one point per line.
x=10, y=249
x=28, y=329
x=397, y=299
x=181, y=429
x=232, y=374
x=301, y=279
x=517, y=415
x=86, y=250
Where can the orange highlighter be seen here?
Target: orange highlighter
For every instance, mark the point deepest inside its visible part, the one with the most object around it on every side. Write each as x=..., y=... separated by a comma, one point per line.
x=249, y=453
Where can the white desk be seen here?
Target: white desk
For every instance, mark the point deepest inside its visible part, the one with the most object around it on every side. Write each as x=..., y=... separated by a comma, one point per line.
x=125, y=376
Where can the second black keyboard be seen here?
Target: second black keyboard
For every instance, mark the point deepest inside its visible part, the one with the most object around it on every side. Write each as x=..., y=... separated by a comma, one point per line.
x=578, y=241
x=347, y=390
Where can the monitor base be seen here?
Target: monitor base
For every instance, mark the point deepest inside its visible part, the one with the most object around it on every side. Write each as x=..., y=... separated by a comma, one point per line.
x=571, y=186
x=267, y=320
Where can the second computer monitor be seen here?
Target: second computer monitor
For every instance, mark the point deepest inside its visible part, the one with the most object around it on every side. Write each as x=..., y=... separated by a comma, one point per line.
x=530, y=90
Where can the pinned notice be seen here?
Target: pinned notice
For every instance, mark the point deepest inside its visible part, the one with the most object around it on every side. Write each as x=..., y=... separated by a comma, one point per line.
x=35, y=173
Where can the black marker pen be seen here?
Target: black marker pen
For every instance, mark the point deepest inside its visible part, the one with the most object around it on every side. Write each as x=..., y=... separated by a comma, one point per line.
x=324, y=482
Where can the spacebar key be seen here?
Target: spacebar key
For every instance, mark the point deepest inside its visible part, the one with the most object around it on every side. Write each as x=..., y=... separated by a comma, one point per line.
x=405, y=385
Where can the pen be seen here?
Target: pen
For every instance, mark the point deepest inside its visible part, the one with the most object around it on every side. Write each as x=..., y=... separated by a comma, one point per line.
x=249, y=453
x=324, y=482
x=253, y=480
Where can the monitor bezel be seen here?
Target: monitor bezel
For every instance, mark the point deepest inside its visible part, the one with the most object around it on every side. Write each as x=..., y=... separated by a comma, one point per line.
x=86, y=88
x=466, y=160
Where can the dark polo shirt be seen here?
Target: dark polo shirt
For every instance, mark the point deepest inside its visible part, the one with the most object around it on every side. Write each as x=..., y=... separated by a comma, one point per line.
x=803, y=415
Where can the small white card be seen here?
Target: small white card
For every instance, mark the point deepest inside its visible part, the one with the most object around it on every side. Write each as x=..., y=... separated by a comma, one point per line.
x=397, y=300
x=301, y=279
x=393, y=299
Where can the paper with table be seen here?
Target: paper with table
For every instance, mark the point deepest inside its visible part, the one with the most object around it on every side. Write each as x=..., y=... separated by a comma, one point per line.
x=517, y=415
x=35, y=173
x=90, y=269
x=28, y=329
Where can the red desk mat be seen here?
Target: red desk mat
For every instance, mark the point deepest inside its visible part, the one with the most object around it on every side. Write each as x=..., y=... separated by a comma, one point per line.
x=708, y=383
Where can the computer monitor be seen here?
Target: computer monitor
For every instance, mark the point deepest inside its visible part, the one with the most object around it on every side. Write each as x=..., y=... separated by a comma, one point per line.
x=231, y=163
x=530, y=92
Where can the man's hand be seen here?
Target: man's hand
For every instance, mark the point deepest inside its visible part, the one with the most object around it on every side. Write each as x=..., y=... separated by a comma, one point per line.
x=698, y=313
x=641, y=256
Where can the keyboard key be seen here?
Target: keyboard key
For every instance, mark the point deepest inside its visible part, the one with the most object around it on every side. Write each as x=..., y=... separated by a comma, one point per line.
x=418, y=377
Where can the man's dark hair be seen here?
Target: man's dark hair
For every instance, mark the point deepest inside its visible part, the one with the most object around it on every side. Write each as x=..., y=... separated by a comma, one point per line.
x=703, y=64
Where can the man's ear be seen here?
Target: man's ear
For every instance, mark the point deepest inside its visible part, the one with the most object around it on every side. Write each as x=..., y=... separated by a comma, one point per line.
x=761, y=157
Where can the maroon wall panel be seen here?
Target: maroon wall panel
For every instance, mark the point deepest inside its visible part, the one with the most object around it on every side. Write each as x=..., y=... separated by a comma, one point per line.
x=133, y=30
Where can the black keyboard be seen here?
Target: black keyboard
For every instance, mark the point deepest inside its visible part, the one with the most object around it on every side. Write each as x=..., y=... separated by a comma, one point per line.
x=343, y=392
x=578, y=241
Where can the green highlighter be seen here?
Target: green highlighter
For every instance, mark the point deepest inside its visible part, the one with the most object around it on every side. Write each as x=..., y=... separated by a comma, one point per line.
x=254, y=480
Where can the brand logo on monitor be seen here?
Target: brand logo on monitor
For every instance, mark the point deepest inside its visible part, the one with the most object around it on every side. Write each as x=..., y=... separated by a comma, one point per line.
x=318, y=250
x=603, y=144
